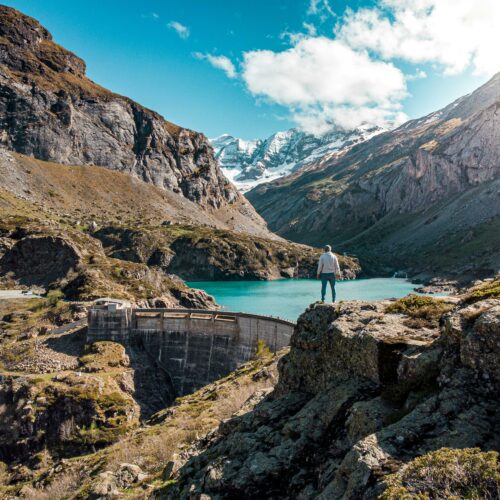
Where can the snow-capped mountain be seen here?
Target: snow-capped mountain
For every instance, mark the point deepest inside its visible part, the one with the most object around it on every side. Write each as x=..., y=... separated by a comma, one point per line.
x=249, y=163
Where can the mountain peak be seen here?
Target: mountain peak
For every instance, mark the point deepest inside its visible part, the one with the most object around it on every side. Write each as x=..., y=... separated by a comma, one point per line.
x=250, y=163
x=26, y=46
x=55, y=113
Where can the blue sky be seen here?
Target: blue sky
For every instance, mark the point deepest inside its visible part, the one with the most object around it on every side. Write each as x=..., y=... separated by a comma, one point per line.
x=304, y=62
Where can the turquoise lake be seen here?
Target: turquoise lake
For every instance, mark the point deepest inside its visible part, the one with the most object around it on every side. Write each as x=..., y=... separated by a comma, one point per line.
x=288, y=298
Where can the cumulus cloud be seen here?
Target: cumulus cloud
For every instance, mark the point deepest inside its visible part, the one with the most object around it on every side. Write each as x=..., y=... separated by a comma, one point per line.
x=180, y=29
x=452, y=33
x=323, y=81
x=220, y=62
x=353, y=78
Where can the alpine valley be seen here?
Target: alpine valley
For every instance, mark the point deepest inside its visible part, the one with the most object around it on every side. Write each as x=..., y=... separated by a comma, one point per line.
x=120, y=381
x=424, y=198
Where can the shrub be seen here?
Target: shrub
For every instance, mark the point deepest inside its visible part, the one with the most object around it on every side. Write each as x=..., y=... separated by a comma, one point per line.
x=263, y=350
x=417, y=306
x=447, y=474
x=53, y=297
x=489, y=290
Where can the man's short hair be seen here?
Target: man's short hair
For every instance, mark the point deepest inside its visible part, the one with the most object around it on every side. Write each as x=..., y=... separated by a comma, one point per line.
x=328, y=248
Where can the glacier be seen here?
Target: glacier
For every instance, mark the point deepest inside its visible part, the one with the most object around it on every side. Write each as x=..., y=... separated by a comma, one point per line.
x=248, y=163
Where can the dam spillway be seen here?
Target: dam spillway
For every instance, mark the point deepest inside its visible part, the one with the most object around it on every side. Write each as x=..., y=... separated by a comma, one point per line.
x=195, y=347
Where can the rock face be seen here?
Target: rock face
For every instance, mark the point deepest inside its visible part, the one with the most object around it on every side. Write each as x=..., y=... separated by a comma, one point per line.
x=59, y=416
x=40, y=260
x=360, y=394
x=250, y=163
x=197, y=254
x=421, y=197
x=51, y=255
x=52, y=111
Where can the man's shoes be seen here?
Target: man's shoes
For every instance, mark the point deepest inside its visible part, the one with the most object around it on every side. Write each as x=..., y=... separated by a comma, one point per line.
x=322, y=301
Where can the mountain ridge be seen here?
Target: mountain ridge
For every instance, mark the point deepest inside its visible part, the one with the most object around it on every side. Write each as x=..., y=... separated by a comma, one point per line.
x=250, y=163
x=53, y=112
x=364, y=200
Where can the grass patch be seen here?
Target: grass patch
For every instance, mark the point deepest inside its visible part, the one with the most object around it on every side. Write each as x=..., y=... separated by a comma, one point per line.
x=490, y=290
x=102, y=355
x=53, y=297
x=262, y=351
x=418, y=307
x=447, y=474
x=22, y=315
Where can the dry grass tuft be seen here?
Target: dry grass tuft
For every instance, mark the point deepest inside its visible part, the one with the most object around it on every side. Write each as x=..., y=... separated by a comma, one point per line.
x=447, y=474
x=489, y=290
x=418, y=307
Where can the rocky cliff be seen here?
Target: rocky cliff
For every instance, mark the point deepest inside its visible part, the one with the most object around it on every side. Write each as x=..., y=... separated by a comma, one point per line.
x=365, y=389
x=201, y=254
x=39, y=250
x=52, y=111
x=421, y=197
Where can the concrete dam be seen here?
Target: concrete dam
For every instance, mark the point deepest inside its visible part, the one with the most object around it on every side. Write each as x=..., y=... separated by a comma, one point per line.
x=194, y=347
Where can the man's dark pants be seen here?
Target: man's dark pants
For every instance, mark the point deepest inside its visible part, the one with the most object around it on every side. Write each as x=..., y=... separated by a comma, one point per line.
x=325, y=279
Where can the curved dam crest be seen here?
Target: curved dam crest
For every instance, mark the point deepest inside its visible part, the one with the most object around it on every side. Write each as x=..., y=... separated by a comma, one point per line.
x=193, y=347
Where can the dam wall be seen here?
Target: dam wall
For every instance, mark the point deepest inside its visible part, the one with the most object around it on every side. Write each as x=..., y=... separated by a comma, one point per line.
x=195, y=347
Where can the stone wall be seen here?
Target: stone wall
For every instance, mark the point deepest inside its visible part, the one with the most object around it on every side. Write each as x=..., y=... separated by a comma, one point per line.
x=194, y=347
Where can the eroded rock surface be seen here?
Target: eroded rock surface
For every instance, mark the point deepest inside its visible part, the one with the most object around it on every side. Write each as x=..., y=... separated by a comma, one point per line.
x=359, y=394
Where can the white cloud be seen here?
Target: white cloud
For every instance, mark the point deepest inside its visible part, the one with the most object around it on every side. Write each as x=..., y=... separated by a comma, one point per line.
x=220, y=62
x=319, y=7
x=151, y=15
x=323, y=81
x=180, y=29
x=310, y=28
x=291, y=37
x=452, y=33
x=418, y=75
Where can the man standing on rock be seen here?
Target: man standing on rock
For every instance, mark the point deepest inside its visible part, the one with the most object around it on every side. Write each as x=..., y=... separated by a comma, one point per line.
x=328, y=270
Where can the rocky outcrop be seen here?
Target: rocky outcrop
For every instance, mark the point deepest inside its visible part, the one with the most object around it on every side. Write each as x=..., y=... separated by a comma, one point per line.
x=197, y=254
x=361, y=393
x=52, y=111
x=56, y=256
x=40, y=260
x=420, y=197
x=67, y=415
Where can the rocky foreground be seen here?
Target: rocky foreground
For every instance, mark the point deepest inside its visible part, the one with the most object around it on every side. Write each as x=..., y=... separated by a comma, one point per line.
x=373, y=398
x=365, y=389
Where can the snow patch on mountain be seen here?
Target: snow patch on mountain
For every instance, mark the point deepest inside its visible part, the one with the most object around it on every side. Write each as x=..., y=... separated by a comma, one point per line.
x=250, y=163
